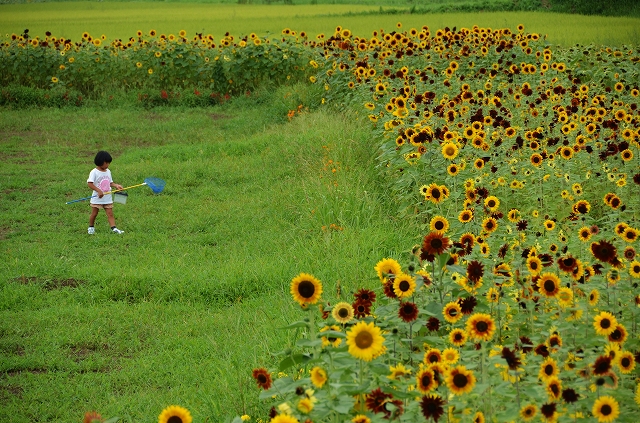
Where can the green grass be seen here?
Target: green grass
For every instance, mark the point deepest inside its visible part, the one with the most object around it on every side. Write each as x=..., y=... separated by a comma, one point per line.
x=122, y=20
x=182, y=306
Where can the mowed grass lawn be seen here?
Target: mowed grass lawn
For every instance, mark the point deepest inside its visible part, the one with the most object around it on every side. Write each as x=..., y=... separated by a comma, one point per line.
x=190, y=299
x=123, y=19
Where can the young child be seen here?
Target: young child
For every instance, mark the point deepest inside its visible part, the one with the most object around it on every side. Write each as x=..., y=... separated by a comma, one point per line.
x=100, y=181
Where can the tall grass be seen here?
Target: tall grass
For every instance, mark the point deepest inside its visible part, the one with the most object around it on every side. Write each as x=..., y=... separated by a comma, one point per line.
x=189, y=299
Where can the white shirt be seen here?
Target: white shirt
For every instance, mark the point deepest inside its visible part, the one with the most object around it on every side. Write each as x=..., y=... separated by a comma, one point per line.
x=103, y=181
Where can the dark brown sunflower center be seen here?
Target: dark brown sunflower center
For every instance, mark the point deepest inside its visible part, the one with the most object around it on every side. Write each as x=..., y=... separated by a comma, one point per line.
x=460, y=380
x=262, y=379
x=436, y=243
x=482, y=326
x=452, y=312
x=174, y=419
x=364, y=340
x=491, y=203
x=425, y=380
x=306, y=289
x=605, y=323
x=549, y=285
x=449, y=151
x=548, y=370
x=435, y=193
x=404, y=286
x=407, y=309
x=625, y=362
x=433, y=358
x=439, y=225
x=343, y=313
x=533, y=265
x=606, y=410
x=458, y=337
x=616, y=335
x=528, y=412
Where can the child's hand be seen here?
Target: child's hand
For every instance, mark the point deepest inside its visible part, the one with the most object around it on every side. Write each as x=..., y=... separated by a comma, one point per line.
x=117, y=186
x=100, y=193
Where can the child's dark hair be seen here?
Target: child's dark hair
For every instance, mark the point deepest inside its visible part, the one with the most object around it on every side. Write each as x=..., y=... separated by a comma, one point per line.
x=102, y=157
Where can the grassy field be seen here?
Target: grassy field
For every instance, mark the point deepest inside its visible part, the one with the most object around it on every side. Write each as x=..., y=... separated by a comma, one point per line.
x=122, y=20
x=189, y=300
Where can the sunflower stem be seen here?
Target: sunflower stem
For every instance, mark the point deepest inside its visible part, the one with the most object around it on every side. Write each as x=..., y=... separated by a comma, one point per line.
x=361, y=381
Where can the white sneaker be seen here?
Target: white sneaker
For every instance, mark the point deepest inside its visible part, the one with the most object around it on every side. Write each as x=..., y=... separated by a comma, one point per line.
x=91, y=230
x=117, y=231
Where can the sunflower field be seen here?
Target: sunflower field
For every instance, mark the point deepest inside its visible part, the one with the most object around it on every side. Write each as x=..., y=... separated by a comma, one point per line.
x=520, y=300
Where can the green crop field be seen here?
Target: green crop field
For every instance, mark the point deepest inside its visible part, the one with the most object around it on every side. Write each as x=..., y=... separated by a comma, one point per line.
x=122, y=20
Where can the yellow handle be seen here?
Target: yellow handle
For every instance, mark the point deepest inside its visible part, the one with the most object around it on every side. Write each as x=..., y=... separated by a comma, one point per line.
x=122, y=189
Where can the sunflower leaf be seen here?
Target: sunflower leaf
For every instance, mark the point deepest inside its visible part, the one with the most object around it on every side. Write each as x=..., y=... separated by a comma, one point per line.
x=112, y=420
x=309, y=342
x=295, y=325
x=293, y=360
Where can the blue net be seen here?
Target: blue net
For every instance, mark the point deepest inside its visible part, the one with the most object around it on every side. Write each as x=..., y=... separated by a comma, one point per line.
x=156, y=184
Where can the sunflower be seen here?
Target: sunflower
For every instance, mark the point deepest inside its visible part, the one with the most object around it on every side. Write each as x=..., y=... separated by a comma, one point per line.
x=634, y=269
x=404, y=285
x=365, y=341
x=492, y=202
x=432, y=356
x=432, y=406
x=458, y=337
x=426, y=381
x=548, y=285
x=619, y=335
x=175, y=414
x=594, y=296
x=398, y=371
x=606, y=409
x=549, y=224
x=626, y=362
x=452, y=312
x=435, y=243
x=306, y=289
x=439, y=223
x=449, y=150
x=387, y=267
x=318, y=377
x=284, y=418
x=480, y=326
x=460, y=380
x=548, y=369
x=361, y=418
x=342, y=312
x=490, y=224
x=549, y=411
x=436, y=193
x=450, y=355
x=605, y=323
x=465, y=216
x=534, y=265
x=262, y=377
x=408, y=312
x=554, y=388
x=528, y=412
x=584, y=234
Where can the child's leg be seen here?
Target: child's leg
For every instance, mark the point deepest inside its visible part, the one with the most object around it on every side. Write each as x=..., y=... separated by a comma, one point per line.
x=110, y=216
x=92, y=218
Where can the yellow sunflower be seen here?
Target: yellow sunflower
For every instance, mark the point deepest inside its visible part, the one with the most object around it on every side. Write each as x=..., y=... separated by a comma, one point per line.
x=175, y=414
x=480, y=326
x=306, y=289
x=460, y=380
x=458, y=337
x=284, y=418
x=606, y=409
x=365, y=341
x=452, y=312
x=404, y=285
x=549, y=285
x=342, y=312
x=318, y=377
x=387, y=267
x=426, y=381
x=528, y=412
x=605, y=323
x=439, y=223
x=449, y=150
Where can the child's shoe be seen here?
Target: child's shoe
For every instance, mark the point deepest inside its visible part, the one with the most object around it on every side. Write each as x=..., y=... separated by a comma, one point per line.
x=91, y=230
x=117, y=231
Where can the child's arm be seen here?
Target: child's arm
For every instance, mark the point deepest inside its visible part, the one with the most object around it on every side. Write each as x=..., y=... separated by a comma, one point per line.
x=114, y=185
x=96, y=189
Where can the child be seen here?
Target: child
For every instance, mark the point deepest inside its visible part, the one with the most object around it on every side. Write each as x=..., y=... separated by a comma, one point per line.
x=100, y=181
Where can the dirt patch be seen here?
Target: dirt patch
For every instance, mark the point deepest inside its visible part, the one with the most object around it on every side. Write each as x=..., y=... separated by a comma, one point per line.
x=7, y=392
x=218, y=116
x=33, y=371
x=50, y=284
